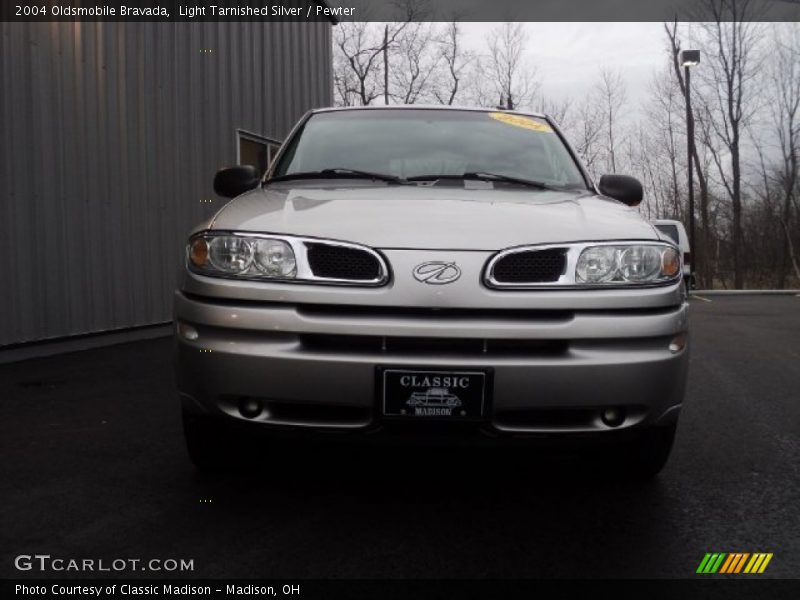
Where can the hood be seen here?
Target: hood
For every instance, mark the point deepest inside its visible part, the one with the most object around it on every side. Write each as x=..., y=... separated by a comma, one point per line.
x=470, y=215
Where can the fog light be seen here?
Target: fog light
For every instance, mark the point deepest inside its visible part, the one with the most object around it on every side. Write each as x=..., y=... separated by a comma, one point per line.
x=613, y=417
x=678, y=343
x=187, y=331
x=250, y=408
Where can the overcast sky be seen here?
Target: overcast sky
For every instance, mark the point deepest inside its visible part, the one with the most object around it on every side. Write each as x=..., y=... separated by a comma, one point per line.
x=568, y=56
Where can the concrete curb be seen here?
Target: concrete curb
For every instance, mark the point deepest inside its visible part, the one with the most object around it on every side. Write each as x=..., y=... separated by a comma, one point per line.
x=51, y=347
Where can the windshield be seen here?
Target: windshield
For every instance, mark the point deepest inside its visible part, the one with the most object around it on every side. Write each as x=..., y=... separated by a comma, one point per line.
x=412, y=143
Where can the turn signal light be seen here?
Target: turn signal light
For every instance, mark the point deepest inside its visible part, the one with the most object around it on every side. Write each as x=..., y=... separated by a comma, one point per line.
x=671, y=263
x=198, y=252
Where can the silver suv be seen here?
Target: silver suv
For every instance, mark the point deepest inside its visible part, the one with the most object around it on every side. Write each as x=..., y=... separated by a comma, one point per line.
x=391, y=252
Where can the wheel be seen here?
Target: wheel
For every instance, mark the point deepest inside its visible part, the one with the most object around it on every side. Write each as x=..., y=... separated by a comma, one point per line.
x=644, y=457
x=211, y=445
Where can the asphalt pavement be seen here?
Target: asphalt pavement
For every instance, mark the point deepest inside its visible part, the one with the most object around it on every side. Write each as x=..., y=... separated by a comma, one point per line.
x=93, y=465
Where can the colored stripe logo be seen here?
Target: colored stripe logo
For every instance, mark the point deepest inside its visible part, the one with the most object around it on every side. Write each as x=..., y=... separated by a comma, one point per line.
x=734, y=562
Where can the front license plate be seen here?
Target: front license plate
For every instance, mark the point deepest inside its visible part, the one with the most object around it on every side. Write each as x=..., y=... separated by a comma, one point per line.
x=423, y=394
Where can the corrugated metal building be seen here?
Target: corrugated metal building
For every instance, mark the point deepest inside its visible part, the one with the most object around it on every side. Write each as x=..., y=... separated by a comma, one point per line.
x=111, y=135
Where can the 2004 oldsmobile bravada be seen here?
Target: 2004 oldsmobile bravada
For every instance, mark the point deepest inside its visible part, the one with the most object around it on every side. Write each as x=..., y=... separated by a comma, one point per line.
x=454, y=267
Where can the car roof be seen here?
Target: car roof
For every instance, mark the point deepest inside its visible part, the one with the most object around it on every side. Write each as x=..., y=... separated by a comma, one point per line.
x=428, y=107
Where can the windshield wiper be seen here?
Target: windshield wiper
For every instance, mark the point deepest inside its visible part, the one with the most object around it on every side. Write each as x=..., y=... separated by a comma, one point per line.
x=339, y=172
x=484, y=176
x=509, y=179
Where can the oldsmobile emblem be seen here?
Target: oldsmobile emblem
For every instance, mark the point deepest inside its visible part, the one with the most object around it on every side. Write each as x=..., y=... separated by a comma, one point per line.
x=437, y=272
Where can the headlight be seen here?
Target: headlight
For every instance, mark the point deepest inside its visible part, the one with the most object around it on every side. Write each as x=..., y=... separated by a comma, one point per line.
x=275, y=258
x=231, y=254
x=597, y=265
x=640, y=263
x=627, y=264
x=242, y=256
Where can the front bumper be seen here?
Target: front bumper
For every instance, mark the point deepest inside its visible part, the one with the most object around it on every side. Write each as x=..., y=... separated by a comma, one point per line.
x=314, y=366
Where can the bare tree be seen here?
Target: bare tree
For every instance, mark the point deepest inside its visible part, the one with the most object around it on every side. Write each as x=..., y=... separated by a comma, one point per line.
x=416, y=59
x=784, y=81
x=456, y=60
x=765, y=188
x=359, y=46
x=645, y=161
x=361, y=53
x=584, y=130
x=611, y=96
x=505, y=69
x=730, y=45
x=663, y=141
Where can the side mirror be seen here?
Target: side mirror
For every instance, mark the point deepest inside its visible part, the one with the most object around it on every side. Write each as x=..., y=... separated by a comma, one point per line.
x=626, y=189
x=232, y=181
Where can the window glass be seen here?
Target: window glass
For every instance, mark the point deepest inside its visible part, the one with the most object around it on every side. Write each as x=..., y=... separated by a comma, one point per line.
x=418, y=142
x=255, y=153
x=669, y=230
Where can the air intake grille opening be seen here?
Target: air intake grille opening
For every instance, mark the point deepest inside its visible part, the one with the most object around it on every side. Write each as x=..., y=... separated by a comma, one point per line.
x=422, y=346
x=341, y=262
x=531, y=266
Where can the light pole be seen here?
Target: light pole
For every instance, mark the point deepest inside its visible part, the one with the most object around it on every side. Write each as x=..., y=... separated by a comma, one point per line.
x=690, y=58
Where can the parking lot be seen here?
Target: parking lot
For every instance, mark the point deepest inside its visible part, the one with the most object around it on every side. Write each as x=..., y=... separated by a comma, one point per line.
x=94, y=465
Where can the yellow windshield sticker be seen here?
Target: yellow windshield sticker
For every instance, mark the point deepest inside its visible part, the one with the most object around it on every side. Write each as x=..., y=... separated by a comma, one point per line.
x=520, y=121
